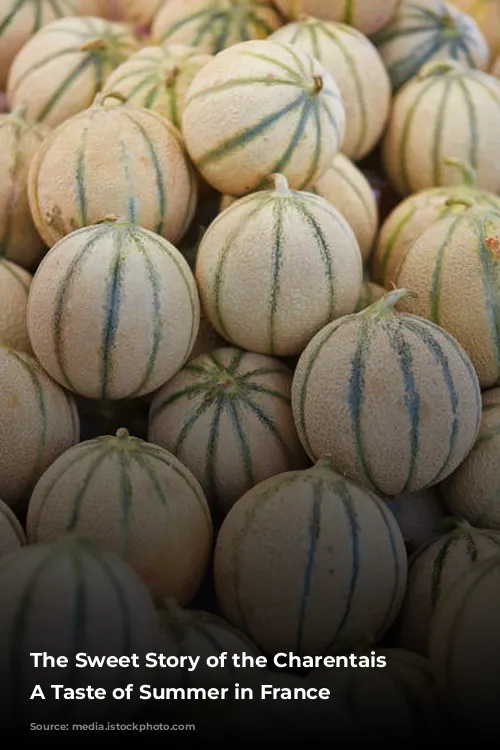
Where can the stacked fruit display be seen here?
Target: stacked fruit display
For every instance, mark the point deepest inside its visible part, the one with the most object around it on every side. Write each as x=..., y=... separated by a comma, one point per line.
x=250, y=352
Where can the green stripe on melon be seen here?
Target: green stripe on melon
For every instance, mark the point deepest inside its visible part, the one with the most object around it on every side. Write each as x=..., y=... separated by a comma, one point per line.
x=227, y=416
x=61, y=69
x=12, y=536
x=432, y=572
x=419, y=33
x=322, y=557
x=362, y=394
x=213, y=25
x=70, y=597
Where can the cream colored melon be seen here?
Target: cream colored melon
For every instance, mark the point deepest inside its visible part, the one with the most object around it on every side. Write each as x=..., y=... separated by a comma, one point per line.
x=19, y=142
x=356, y=66
x=276, y=552
x=38, y=422
x=454, y=271
x=419, y=515
x=214, y=25
x=366, y=15
x=262, y=107
x=112, y=160
x=392, y=398
x=12, y=536
x=416, y=213
x=486, y=13
x=158, y=79
x=72, y=592
x=275, y=267
x=446, y=110
x=227, y=416
x=429, y=30
x=61, y=69
x=465, y=649
x=472, y=490
x=113, y=311
x=432, y=572
x=20, y=20
x=14, y=287
x=370, y=293
x=164, y=530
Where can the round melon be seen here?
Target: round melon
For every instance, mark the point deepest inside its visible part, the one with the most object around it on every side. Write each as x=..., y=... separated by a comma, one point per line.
x=112, y=160
x=137, y=500
x=259, y=108
x=158, y=79
x=397, y=701
x=38, y=422
x=418, y=515
x=445, y=110
x=113, y=311
x=472, y=491
x=356, y=66
x=12, y=536
x=214, y=25
x=366, y=15
x=432, y=571
x=227, y=416
x=416, y=213
x=14, y=287
x=392, y=398
x=309, y=562
x=486, y=13
x=429, y=30
x=454, y=271
x=345, y=187
x=19, y=142
x=465, y=649
x=20, y=20
x=61, y=69
x=370, y=293
x=299, y=262
x=55, y=597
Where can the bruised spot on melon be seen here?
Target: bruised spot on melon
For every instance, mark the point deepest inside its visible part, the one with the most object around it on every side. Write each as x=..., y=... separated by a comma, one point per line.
x=493, y=243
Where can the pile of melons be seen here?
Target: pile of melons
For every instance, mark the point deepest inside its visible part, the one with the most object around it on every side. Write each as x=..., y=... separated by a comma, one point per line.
x=250, y=353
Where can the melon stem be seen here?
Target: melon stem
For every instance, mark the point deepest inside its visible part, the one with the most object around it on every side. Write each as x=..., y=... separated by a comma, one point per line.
x=122, y=433
x=101, y=98
x=318, y=84
x=468, y=173
x=172, y=74
x=93, y=45
x=439, y=67
x=386, y=305
x=452, y=524
x=280, y=183
x=461, y=200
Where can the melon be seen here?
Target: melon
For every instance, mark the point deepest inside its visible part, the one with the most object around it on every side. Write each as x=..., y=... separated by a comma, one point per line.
x=227, y=416
x=20, y=20
x=19, y=142
x=418, y=515
x=392, y=398
x=158, y=79
x=370, y=293
x=309, y=562
x=214, y=25
x=347, y=188
x=366, y=15
x=416, y=213
x=432, y=571
x=454, y=271
x=486, y=13
x=445, y=110
x=61, y=69
x=465, y=649
x=429, y=30
x=100, y=8
x=355, y=64
x=137, y=13
x=300, y=263
x=259, y=108
x=112, y=160
x=397, y=701
x=14, y=287
x=472, y=491
x=137, y=500
x=12, y=536
x=66, y=594
x=38, y=422
x=113, y=311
